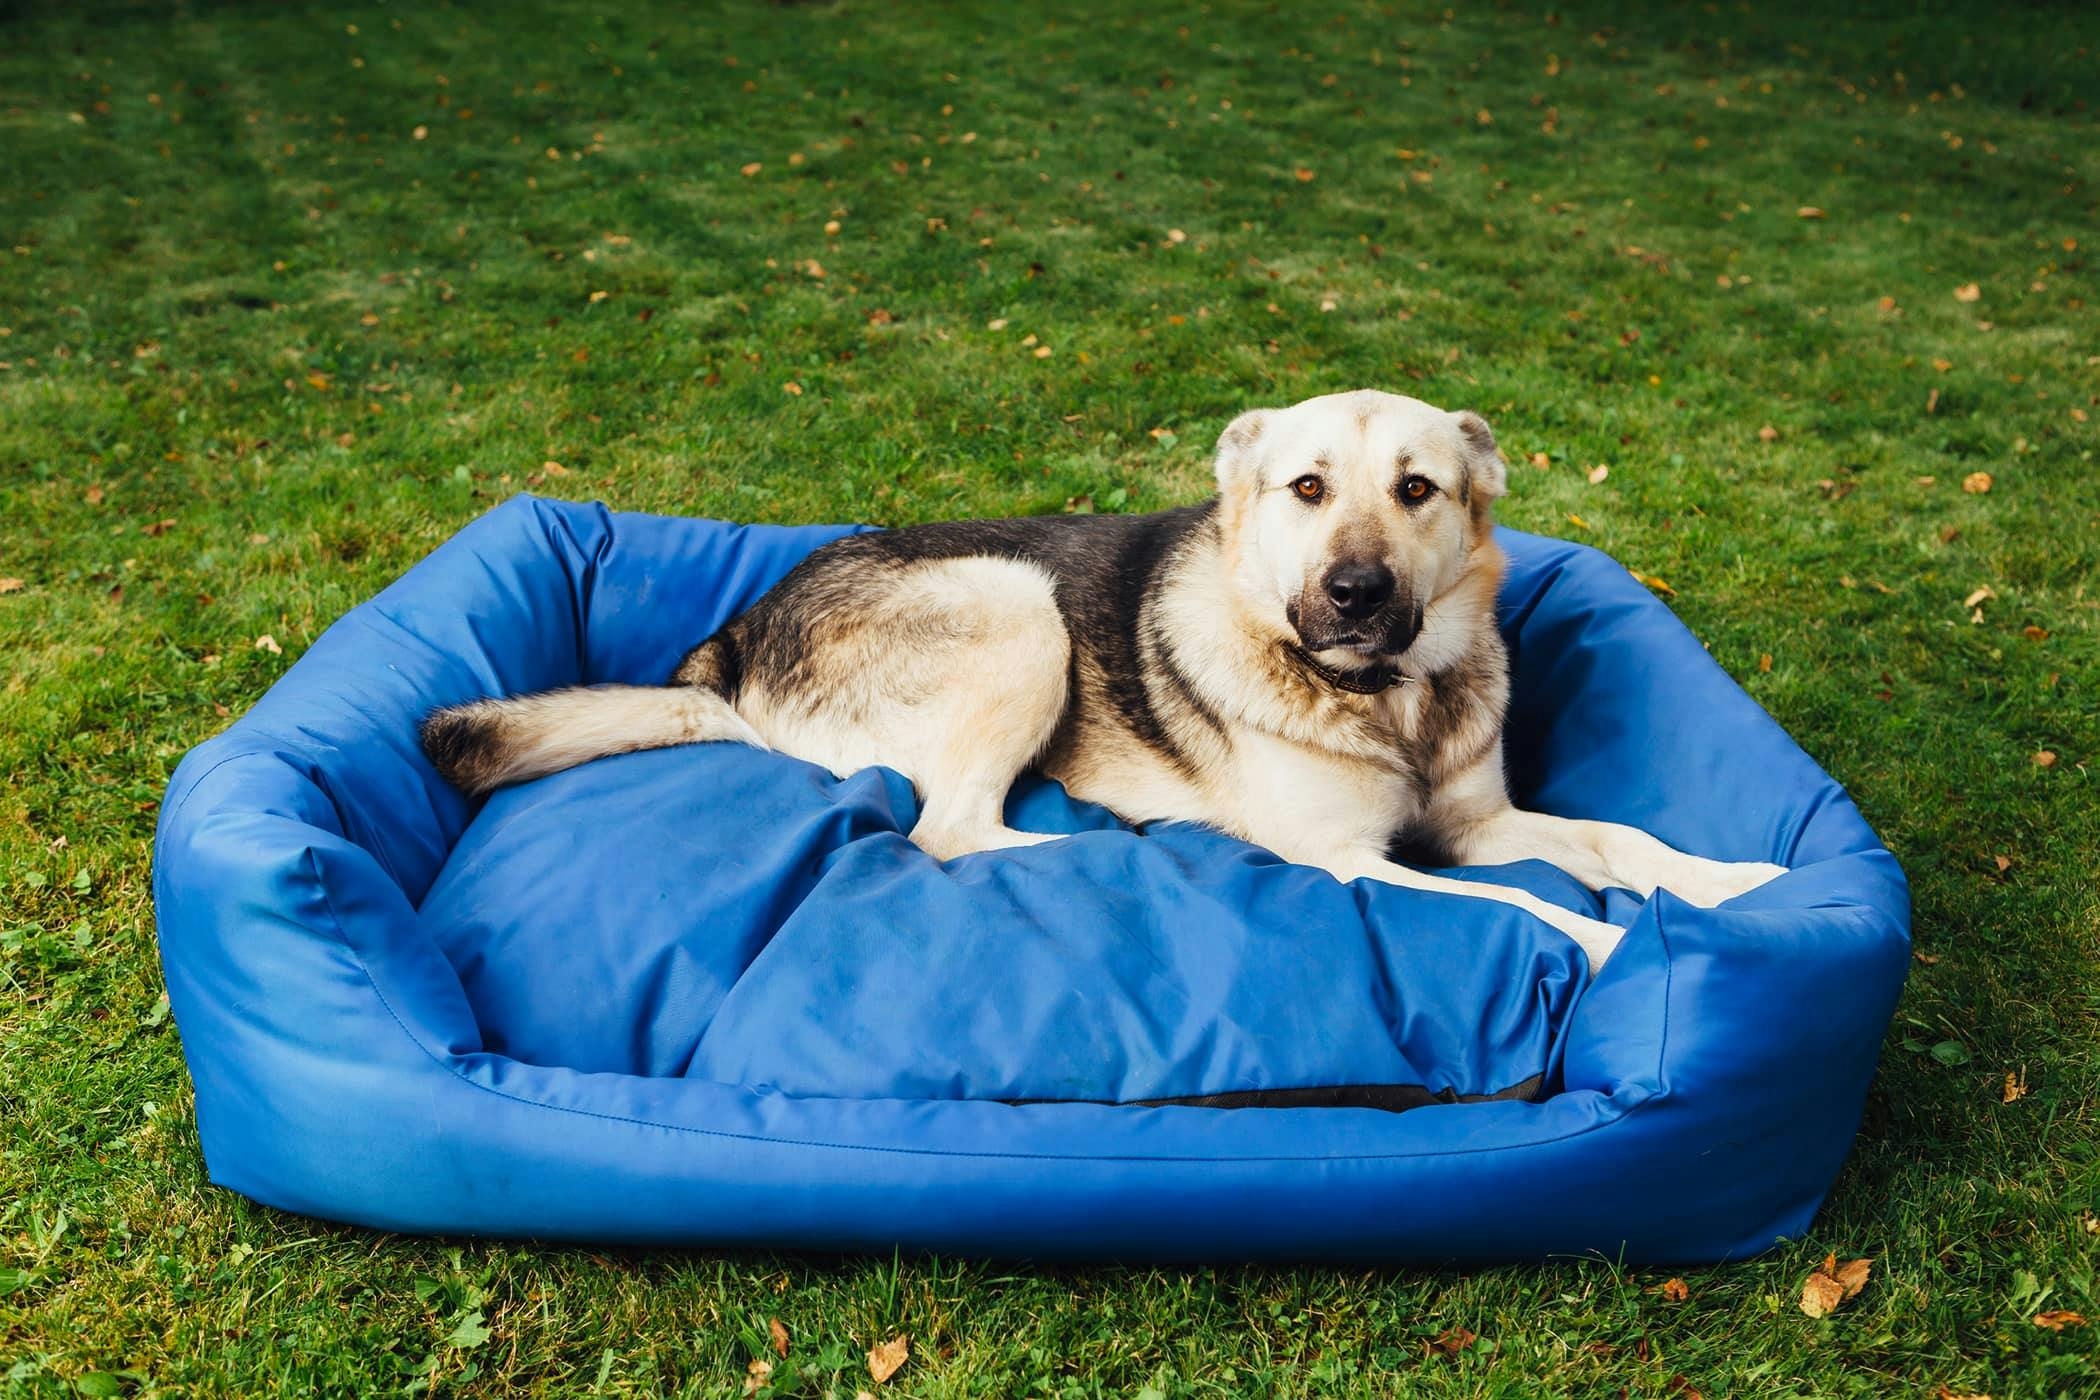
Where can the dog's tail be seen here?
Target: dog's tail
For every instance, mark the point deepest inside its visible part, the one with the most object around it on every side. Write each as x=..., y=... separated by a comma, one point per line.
x=492, y=743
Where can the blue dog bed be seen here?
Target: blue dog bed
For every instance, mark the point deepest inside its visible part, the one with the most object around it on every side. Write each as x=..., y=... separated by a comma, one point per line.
x=712, y=996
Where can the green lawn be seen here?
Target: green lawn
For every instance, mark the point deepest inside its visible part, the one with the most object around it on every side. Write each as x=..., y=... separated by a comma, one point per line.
x=288, y=293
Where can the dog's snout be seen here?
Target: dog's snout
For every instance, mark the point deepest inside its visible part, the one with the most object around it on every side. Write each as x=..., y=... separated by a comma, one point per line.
x=1358, y=591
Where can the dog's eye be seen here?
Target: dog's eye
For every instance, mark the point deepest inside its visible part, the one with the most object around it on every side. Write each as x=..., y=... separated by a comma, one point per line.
x=1309, y=488
x=1417, y=488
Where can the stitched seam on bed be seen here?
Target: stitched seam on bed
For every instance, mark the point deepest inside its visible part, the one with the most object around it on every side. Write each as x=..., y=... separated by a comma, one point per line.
x=328, y=900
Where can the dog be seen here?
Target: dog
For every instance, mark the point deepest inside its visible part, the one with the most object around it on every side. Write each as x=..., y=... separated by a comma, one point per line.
x=1308, y=661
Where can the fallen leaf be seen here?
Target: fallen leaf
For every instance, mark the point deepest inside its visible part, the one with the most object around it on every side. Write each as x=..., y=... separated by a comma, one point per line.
x=1808, y=211
x=94, y=495
x=779, y=1331
x=10, y=585
x=1979, y=596
x=1968, y=291
x=1831, y=1284
x=753, y=168
x=1541, y=461
x=1927, y=959
x=2002, y=861
x=1942, y=365
x=2045, y=758
x=1976, y=483
x=757, y=1375
x=885, y=1358
x=1303, y=174
x=1042, y=352
x=2015, y=1087
x=2059, y=1320
x=599, y=296
x=1653, y=581
x=791, y=387
x=1768, y=433
x=1675, y=1290
x=158, y=527
x=1932, y=401
x=1578, y=522
x=1598, y=473
x=318, y=380
x=831, y=227
x=2035, y=634
x=996, y=325
x=554, y=469
x=420, y=132
x=1943, y=1393
x=268, y=643
x=1175, y=235
x=880, y=316
x=1764, y=662
x=1452, y=1342
x=814, y=269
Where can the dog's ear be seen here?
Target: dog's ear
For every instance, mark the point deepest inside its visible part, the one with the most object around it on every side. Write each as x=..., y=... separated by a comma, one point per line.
x=1236, y=447
x=1484, y=465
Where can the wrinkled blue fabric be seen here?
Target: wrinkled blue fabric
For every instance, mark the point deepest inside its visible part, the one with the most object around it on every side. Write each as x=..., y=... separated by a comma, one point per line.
x=712, y=996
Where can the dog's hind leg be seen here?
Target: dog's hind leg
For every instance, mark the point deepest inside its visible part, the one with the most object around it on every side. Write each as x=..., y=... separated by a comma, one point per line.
x=955, y=674
x=1003, y=700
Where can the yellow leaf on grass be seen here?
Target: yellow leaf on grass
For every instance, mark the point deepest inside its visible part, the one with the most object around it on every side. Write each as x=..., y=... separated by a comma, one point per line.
x=2015, y=1088
x=1768, y=433
x=2045, y=758
x=886, y=1357
x=2058, y=1321
x=1976, y=483
x=1675, y=1290
x=268, y=643
x=1968, y=291
x=1654, y=582
x=1831, y=1284
x=1597, y=474
x=779, y=1332
x=1808, y=211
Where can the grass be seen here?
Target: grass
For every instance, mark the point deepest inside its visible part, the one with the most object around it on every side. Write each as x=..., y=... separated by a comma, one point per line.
x=291, y=292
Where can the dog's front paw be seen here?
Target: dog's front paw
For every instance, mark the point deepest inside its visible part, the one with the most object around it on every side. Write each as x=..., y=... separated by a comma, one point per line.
x=1710, y=882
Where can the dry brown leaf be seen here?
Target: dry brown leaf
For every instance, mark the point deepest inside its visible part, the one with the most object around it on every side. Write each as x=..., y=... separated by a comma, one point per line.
x=2035, y=634
x=1976, y=483
x=1304, y=175
x=2015, y=1087
x=753, y=168
x=1598, y=473
x=158, y=527
x=1943, y=365
x=1943, y=1393
x=1981, y=595
x=1768, y=433
x=1932, y=401
x=1042, y=352
x=1675, y=1290
x=2002, y=861
x=1764, y=662
x=268, y=643
x=756, y=1375
x=10, y=585
x=552, y=468
x=791, y=387
x=885, y=1358
x=1968, y=291
x=1541, y=461
x=1808, y=211
x=779, y=1332
x=2059, y=1320
x=2045, y=758
x=1830, y=1285
x=1452, y=1342
x=94, y=495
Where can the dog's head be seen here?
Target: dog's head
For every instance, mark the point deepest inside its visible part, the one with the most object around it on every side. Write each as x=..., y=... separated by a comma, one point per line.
x=1353, y=514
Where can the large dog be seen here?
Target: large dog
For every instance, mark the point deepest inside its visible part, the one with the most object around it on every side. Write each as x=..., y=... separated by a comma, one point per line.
x=1308, y=661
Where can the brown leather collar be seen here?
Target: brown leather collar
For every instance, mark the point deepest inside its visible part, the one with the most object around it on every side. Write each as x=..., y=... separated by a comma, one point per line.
x=1371, y=680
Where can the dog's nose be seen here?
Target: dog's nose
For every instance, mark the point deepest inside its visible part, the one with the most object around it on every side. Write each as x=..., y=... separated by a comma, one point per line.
x=1359, y=590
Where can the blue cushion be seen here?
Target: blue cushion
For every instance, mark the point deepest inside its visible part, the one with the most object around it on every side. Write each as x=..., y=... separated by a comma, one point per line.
x=713, y=996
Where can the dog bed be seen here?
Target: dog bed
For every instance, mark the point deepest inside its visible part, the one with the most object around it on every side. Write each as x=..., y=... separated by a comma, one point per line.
x=713, y=996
